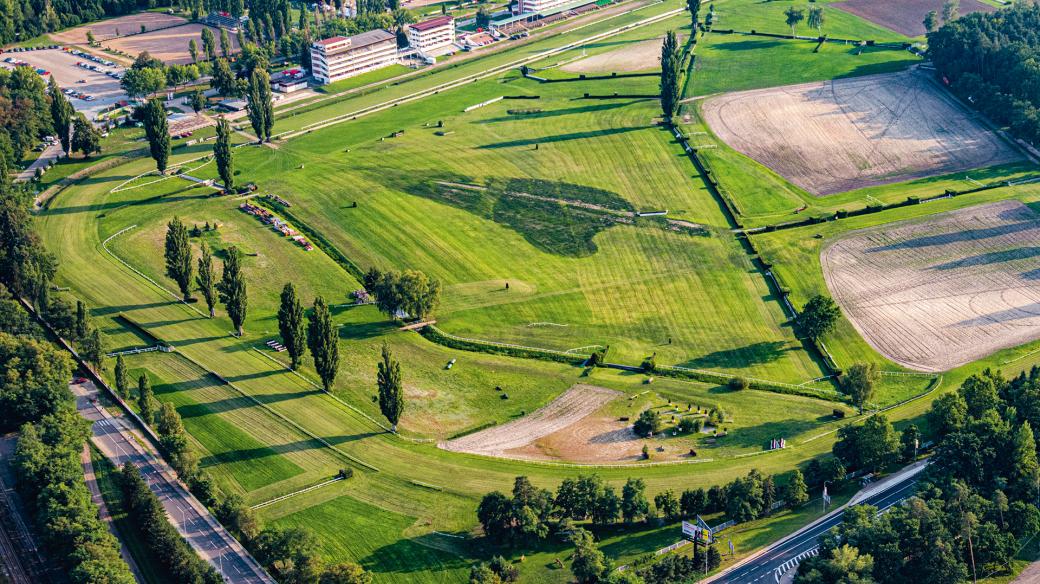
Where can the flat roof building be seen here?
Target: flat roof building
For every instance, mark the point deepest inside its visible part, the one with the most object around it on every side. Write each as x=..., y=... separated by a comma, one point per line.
x=339, y=57
x=433, y=37
x=528, y=6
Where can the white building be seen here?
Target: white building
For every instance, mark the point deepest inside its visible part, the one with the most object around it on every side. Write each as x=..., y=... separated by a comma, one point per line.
x=338, y=58
x=528, y=6
x=433, y=37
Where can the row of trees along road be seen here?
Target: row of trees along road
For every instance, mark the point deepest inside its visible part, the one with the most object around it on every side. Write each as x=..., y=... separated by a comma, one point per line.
x=975, y=505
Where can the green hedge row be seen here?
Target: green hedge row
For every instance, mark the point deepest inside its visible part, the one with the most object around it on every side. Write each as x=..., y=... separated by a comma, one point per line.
x=432, y=333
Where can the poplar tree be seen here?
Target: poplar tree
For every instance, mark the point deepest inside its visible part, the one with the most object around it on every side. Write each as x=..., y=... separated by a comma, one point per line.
x=260, y=106
x=207, y=44
x=391, y=394
x=671, y=63
x=122, y=383
x=225, y=43
x=223, y=154
x=232, y=289
x=290, y=324
x=193, y=50
x=178, y=257
x=157, y=130
x=145, y=401
x=61, y=115
x=205, y=279
x=694, y=6
x=321, y=338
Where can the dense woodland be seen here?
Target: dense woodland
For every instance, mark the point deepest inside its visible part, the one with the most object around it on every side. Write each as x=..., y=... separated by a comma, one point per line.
x=993, y=61
x=975, y=507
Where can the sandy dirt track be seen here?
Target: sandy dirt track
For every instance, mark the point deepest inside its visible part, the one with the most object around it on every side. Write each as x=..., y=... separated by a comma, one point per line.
x=170, y=45
x=106, y=29
x=574, y=404
x=932, y=294
x=904, y=16
x=635, y=57
x=846, y=134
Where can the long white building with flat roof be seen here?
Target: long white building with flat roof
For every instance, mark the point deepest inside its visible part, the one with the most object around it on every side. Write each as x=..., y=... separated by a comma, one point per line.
x=433, y=37
x=339, y=57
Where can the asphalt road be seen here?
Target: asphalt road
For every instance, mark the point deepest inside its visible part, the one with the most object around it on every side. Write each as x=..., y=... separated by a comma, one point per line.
x=114, y=437
x=781, y=558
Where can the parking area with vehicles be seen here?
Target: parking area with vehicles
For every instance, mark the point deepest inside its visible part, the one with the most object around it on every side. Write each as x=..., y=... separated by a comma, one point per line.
x=91, y=87
x=563, y=219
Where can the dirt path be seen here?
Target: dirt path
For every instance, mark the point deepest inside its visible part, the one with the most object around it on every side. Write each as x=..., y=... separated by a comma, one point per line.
x=574, y=404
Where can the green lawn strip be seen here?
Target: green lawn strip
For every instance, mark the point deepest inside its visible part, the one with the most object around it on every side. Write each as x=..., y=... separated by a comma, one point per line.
x=747, y=15
x=385, y=549
x=107, y=476
x=736, y=62
x=364, y=79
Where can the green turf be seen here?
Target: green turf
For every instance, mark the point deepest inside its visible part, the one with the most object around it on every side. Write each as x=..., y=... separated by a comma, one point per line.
x=364, y=79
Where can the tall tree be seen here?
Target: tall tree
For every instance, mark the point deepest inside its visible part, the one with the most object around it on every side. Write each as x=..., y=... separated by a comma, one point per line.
x=260, y=106
x=86, y=139
x=206, y=280
x=208, y=45
x=92, y=348
x=818, y=317
x=224, y=155
x=291, y=326
x=321, y=338
x=145, y=399
x=157, y=130
x=82, y=327
x=793, y=17
x=694, y=6
x=179, y=265
x=232, y=289
x=1025, y=471
x=816, y=18
x=859, y=383
x=795, y=491
x=61, y=115
x=223, y=79
x=391, y=394
x=950, y=10
x=671, y=66
x=225, y=43
x=193, y=50
x=931, y=21
x=122, y=379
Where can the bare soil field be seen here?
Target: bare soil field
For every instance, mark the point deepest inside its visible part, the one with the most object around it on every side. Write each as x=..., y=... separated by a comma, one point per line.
x=114, y=27
x=573, y=405
x=932, y=294
x=634, y=57
x=169, y=45
x=835, y=136
x=904, y=16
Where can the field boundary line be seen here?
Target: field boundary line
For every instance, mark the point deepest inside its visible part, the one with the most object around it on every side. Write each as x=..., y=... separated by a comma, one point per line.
x=281, y=498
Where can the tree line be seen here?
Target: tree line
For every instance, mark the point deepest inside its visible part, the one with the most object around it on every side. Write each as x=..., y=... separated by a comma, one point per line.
x=989, y=60
x=530, y=515
x=974, y=505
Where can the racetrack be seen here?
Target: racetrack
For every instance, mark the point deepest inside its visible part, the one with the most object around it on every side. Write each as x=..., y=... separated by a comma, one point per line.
x=835, y=136
x=940, y=292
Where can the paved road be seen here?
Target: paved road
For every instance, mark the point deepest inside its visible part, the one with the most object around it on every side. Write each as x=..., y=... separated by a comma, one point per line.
x=785, y=556
x=114, y=437
x=49, y=153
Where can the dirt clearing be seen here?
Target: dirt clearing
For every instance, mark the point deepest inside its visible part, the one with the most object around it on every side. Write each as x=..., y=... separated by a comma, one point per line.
x=846, y=134
x=936, y=293
x=114, y=27
x=169, y=45
x=640, y=56
x=574, y=404
x=904, y=16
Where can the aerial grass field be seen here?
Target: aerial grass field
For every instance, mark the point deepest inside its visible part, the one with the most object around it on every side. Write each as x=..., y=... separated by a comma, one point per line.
x=542, y=194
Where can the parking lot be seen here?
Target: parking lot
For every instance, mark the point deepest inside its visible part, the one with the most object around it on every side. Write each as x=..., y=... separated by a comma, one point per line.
x=105, y=90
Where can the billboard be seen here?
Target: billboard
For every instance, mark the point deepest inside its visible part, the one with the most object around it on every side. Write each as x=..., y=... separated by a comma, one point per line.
x=697, y=531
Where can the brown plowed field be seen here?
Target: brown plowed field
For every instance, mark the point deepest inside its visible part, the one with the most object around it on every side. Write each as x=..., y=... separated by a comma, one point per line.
x=107, y=29
x=904, y=16
x=932, y=294
x=640, y=56
x=169, y=45
x=573, y=405
x=840, y=135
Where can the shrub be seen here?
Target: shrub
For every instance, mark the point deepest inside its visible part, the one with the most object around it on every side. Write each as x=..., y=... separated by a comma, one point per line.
x=738, y=384
x=649, y=364
x=646, y=452
x=839, y=413
x=649, y=422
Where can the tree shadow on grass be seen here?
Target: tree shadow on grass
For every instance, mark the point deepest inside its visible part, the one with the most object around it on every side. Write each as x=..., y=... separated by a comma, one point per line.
x=224, y=405
x=559, y=112
x=107, y=310
x=760, y=435
x=754, y=354
x=562, y=137
x=245, y=454
x=366, y=330
x=406, y=556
